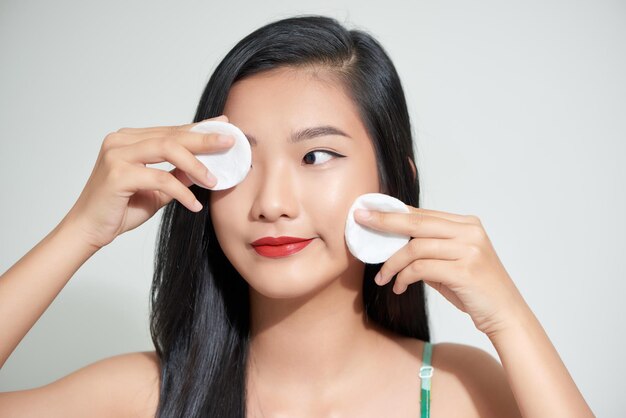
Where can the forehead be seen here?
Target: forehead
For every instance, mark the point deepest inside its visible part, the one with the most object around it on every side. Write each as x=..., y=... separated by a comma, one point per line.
x=282, y=81
x=290, y=96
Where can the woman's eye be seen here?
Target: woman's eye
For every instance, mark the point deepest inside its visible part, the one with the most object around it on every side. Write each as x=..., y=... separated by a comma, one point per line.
x=310, y=157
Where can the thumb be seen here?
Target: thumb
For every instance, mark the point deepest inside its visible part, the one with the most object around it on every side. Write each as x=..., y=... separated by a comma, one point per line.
x=221, y=118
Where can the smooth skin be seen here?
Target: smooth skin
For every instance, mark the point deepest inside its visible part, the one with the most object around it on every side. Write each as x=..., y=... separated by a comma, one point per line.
x=313, y=354
x=121, y=194
x=382, y=379
x=456, y=256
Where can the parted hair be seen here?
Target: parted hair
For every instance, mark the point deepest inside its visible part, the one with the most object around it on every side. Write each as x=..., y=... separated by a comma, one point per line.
x=199, y=303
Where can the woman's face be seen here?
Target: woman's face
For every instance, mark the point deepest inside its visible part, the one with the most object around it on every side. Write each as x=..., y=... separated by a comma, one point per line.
x=294, y=188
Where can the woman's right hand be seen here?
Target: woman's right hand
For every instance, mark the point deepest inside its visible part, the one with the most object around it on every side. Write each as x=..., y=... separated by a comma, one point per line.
x=122, y=193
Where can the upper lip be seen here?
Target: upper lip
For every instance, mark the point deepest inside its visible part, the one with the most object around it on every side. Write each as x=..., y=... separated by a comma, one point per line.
x=278, y=240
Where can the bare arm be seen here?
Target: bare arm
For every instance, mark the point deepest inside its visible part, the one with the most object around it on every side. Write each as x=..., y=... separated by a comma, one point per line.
x=464, y=267
x=125, y=385
x=31, y=284
x=121, y=194
x=540, y=382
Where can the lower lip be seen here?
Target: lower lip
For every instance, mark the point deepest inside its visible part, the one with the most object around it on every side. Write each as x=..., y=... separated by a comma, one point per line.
x=281, y=250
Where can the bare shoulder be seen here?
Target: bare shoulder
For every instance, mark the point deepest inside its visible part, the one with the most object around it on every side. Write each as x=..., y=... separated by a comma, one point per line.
x=468, y=381
x=122, y=385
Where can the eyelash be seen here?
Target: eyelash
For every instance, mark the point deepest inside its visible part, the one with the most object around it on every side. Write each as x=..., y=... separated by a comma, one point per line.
x=324, y=151
x=321, y=150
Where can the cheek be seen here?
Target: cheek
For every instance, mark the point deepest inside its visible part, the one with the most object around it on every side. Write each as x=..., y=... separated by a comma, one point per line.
x=328, y=201
x=327, y=208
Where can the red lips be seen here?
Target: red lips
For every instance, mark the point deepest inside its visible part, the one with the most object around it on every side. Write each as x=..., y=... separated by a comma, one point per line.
x=278, y=240
x=280, y=246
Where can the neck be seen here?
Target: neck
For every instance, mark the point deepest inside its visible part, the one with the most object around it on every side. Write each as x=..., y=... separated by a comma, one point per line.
x=315, y=342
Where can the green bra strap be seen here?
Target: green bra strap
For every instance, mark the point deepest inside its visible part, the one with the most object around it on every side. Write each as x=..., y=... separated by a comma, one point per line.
x=426, y=372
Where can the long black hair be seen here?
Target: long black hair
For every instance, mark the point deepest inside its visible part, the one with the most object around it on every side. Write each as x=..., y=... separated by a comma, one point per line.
x=199, y=319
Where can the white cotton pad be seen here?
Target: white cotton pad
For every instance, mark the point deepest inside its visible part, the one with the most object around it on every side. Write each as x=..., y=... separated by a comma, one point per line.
x=369, y=245
x=231, y=166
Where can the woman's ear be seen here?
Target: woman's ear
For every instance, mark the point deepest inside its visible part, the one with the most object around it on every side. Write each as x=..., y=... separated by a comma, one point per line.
x=412, y=167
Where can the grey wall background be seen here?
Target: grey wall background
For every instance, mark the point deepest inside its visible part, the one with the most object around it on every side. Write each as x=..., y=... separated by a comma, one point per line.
x=519, y=114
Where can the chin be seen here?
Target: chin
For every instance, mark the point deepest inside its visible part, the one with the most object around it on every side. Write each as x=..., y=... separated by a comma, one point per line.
x=294, y=281
x=289, y=286
x=294, y=276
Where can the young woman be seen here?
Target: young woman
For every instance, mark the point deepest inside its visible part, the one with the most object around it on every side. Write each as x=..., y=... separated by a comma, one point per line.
x=316, y=332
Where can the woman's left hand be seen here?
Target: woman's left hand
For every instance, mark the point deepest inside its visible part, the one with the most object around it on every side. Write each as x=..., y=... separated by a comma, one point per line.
x=452, y=254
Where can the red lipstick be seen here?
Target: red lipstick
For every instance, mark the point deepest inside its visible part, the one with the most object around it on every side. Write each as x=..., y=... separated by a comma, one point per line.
x=280, y=246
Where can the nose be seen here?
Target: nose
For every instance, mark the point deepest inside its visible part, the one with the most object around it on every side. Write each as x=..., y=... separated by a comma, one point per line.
x=276, y=195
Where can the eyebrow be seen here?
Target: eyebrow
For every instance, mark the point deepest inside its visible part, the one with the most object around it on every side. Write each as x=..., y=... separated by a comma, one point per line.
x=307, y=133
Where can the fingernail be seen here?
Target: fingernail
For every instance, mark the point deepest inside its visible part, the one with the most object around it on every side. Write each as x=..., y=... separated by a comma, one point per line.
x=378, y=279
x=363, y=214
x=211, y=179
x=225, y=139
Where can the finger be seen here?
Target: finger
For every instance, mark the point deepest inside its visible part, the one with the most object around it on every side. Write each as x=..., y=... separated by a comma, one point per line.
x=445, y=215
x=171, y=128
x=419, y=248
x=181, y=176
x=196, y=140
x=413, y=224
x=126, y=136
x=198, y=143
x=147, y=178
x=179, y=153
x=439, y=271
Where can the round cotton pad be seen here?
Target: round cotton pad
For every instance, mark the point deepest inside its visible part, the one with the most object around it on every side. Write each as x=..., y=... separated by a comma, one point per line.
x=369, y=245
x=230, y=167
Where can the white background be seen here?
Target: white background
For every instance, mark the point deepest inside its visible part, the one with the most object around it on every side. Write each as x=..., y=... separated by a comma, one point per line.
x=519, y=115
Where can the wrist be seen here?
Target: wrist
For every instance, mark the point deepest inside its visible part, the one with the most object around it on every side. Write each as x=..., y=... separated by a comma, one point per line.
x=518, y=318
x=69, y=230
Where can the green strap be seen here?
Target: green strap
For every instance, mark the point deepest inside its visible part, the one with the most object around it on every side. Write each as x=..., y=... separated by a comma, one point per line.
x=426, y=372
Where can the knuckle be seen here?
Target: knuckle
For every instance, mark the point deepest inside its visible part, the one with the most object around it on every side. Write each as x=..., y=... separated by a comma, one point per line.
x=162, y=178
x=109, y=140
x=473, y=219
x=167, y=147
x=417, y=219
x=201, y=168
x=125, y=130
x=208, y=140
x=416, y=267
x=109, y=156
x=478, y=233
x=414, y=248
x=474, y=251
